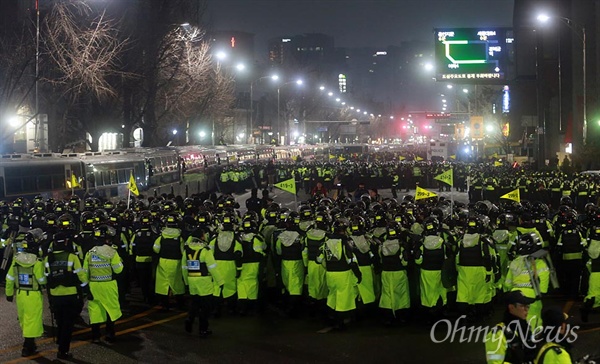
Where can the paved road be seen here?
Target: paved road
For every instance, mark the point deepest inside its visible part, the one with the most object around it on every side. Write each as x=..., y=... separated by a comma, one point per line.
x=147, y=335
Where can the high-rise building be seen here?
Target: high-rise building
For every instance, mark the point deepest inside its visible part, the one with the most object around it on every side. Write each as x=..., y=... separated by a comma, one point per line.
x=311, y=54
x=554, y=98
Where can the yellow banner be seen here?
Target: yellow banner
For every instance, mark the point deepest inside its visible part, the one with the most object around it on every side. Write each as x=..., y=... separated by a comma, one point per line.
x=74, y=182
x=497, y=164
x=341, y=159
x=423, y=193
x=417, y=158
x=331, y=156
x=401, y=158
x=287, y=185
x=513, y=195
x=453, y=156
x=132, y=185
x=446, y=177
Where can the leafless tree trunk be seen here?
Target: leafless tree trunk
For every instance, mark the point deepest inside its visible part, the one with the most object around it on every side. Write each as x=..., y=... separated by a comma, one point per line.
x=17, y=81
x=83, y=49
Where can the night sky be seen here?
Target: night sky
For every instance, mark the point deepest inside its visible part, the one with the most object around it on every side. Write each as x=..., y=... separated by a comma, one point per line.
x=355, y=23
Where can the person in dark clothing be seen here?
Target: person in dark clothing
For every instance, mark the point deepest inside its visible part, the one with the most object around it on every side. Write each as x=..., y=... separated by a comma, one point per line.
x=361, y=190
x=271, y=172
x=319, y=190
x=254, y=203
x=511, y=340
x=266, y=199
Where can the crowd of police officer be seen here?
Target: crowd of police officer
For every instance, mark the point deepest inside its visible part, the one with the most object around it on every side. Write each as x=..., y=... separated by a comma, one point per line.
x=336, y=257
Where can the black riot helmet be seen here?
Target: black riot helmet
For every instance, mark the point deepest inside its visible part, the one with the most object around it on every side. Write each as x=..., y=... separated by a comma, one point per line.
x=528, y=244
x=358, y=225
x=104, y=232
x=431, y=226
x=340, y=226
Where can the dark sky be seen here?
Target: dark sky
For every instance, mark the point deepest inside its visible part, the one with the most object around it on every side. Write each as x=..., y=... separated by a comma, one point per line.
x=356, y=23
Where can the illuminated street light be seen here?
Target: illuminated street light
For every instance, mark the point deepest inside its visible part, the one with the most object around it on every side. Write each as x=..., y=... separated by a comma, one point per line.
x=465, y=90
x=543, y=18
x=428, y=66
x=392, y=117
x=449, y=86
x=221, y=55
x=14, y=121
x=240, y=67
x=330, y=93
x=344, y=103
x=174, y=131
x=321, y=88
x=338, y=99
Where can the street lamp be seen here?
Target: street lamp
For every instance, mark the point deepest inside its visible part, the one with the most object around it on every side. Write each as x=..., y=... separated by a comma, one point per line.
x=544, y=18
x=251, y=131
x=221, y=55
x=297, y=82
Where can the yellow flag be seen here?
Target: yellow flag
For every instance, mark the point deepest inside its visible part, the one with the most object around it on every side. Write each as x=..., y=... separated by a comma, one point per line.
x=287, y=185
x=331, y=156
x=74, y=182
x=453, y=156
x=132, y=186
x=401, y=158
x=446, y=177
x=341, y=159
x=495, y=155
x=423, y=193
x=417, y=158
x=513, y=195
x=497, y=164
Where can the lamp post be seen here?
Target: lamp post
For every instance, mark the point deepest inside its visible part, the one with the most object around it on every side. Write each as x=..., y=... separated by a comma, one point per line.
x=297, y=82
x=543, y=18
x=251, y=131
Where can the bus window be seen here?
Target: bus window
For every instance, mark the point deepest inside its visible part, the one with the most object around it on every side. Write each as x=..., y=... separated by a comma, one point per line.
x=44, y=183
x=123, y=176
x=113, y=177
x=13, y=185
x=58, y=182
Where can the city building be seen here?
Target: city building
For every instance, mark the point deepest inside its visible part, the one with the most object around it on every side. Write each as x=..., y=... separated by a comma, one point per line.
x=555, y=83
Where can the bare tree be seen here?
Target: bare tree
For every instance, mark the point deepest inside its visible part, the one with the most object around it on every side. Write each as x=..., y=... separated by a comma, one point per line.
x=190, y=85
x=486, y=102
x=82, y=48
x=17, y=78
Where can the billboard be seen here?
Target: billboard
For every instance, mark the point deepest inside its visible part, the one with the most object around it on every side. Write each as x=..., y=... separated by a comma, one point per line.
x=474, y=55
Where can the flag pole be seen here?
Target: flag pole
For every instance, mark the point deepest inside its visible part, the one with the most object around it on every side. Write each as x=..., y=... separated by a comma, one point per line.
x=295, y=192
x=128, y=196
x=452, y=195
